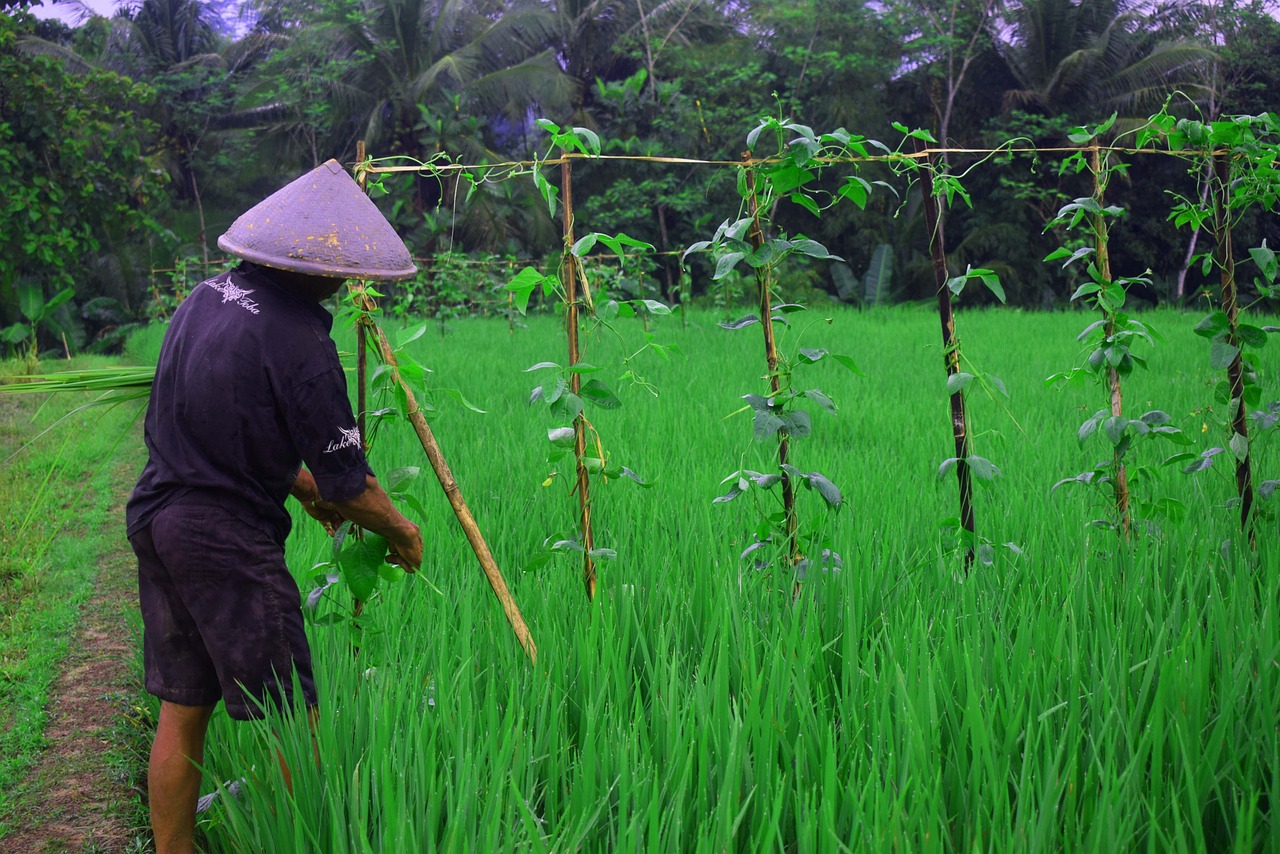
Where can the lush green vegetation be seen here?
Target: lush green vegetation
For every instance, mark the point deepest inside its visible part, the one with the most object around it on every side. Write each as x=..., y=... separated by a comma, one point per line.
x=57, y=489
x=1072, y=692
x=207, y=115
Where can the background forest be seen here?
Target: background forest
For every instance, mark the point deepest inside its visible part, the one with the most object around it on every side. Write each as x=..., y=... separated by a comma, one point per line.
x=129, y=143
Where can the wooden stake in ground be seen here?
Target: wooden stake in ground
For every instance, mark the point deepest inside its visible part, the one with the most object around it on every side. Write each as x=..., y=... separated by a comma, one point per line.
x=569, y=267
x=362, y=354
x=1235, y=371
x=763, y=285
x=951, y=359
x=1102, y=258
x=469, y=527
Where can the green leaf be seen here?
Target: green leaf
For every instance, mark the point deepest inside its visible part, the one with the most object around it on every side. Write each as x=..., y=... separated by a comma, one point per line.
x=740, y=323
x=623, y=471
x=407, y=336
x=797, y=423
x=583, y=245
x=411, y=372
x=561, y=437
x=549, y=193
x=813, y=249
x=1115, y=428
x=1205, y=460
x=992, y=281
x=1213, y=325
x=600, y=394
x=811, y=355
x=823, y=486
x=1222, y=354
x=397, y=479
x=1252, y=336
x=1090, y=426
x=856, y=190
x=390, y=573
x=726, y=263
x=847, y=362
x=590, y=140
x=1087, y=289
x=655, y=308
x=808, y=204
x=957, y=381
x=359, y=562
x=58, y=299
x=1266, y=260
x=523, y=285
x=1239, y=446
x=31, y=301
x=982, y=468
x=15, y=333
x=618, y=242
x=820, y=397
x=540, y=366
x=766, y=424
x=566, y=407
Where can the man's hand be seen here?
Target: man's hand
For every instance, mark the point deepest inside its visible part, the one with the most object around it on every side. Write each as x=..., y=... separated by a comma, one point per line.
x=373, y=510
x=406, y=550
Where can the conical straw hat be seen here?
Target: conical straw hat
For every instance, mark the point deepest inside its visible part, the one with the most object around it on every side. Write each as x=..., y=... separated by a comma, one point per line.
x=322, y=224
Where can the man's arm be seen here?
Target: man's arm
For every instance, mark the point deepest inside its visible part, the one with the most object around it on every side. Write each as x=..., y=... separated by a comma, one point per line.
x=308, y=495
x=373, y=511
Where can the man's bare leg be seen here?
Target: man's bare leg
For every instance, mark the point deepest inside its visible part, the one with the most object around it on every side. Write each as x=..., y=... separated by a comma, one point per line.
x=173, y=778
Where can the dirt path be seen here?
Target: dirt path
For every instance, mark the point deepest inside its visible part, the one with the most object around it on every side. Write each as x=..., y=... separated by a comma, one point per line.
x=80, y=796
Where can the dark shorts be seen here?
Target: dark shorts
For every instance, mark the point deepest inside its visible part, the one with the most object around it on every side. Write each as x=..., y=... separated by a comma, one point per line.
x=221, y=614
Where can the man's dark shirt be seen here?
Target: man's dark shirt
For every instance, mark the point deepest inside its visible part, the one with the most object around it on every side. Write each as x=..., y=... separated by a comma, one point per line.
x=248, y=387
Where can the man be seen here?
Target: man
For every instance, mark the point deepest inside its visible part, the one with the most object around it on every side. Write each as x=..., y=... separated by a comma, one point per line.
x=247, y=390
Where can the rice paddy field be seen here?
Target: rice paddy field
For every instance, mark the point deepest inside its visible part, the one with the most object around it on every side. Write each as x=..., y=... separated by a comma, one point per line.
x=1073, y=692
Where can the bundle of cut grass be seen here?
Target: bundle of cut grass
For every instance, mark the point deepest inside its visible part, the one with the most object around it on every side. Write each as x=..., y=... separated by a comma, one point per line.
x=116, y=384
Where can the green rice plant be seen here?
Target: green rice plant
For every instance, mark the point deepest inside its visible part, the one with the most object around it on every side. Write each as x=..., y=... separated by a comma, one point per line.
x=1047, y=703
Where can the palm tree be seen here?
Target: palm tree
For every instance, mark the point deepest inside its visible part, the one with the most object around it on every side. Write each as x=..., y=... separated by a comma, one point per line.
x=594, y=37
x=395, y=55
x=1093, y=57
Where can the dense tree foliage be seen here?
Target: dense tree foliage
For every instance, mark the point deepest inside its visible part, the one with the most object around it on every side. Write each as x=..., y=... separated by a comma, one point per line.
x=74, y=181
x=172, y=119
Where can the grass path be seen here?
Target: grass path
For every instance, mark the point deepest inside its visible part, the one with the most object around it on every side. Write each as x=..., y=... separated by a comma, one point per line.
x=70, y=720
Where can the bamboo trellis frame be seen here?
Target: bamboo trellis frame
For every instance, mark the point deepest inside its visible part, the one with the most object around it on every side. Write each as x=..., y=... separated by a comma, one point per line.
x=921, y=155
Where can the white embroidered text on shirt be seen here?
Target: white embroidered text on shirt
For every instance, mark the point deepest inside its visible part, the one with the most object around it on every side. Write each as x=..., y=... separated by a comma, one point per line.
x=232, y=293
x=350, y=439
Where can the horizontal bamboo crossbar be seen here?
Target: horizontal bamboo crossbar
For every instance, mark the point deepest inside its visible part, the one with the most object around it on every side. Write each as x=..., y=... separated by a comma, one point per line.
x=895, y=157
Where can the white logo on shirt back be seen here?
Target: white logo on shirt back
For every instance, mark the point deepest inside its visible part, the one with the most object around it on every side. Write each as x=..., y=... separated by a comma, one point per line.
x=232, y=293
x=350, y=439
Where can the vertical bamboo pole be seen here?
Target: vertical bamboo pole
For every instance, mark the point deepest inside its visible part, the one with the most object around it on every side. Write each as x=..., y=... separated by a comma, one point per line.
x=951, y=360
x=362, y=355
x=450, y=486
x=1102, y=258
x=756, y=237
x=1235, y=371
x=362, y=359
x=569, y=266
